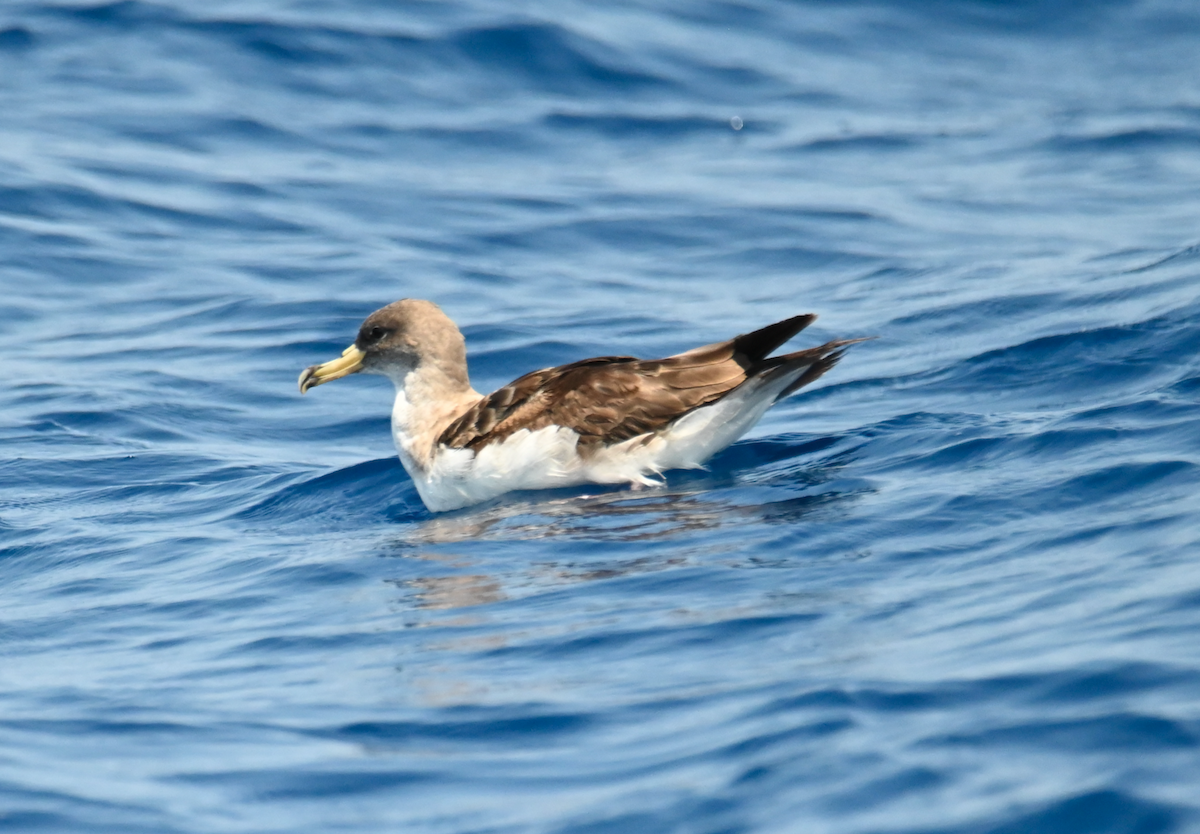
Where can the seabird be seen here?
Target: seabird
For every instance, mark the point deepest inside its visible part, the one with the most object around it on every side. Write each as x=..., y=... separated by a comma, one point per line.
x=608, y=420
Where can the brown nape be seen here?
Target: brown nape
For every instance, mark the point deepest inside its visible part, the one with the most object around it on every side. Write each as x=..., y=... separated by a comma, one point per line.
x=614, y=398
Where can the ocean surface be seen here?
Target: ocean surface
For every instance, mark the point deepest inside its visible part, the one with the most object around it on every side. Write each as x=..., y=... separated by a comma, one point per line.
x=952, y=588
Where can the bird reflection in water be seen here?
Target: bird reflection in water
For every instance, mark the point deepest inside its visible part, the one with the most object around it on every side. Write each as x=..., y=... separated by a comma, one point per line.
x=461, y=601
x=616, y=517
x=462, y=591
x=694, y=502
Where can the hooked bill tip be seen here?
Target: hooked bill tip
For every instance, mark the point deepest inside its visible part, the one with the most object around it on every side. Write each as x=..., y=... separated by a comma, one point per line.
x=306, y=379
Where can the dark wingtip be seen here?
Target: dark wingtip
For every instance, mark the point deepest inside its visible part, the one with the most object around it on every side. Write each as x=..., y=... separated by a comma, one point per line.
x=757, y=345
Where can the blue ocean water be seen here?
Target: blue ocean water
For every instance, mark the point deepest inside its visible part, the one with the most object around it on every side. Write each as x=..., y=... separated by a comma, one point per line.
x=951, y=588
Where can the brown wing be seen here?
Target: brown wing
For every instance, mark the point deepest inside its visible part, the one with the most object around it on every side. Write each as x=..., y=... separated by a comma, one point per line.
x=614, y=398
x=604, y=400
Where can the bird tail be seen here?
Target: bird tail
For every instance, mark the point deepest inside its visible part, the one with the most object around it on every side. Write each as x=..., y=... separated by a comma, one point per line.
x=807, y=366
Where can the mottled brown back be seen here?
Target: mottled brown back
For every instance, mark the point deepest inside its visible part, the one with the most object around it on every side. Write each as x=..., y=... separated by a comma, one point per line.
x=613, y=398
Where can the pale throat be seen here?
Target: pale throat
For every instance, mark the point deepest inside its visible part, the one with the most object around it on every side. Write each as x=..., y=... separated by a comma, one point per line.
x=426, y=403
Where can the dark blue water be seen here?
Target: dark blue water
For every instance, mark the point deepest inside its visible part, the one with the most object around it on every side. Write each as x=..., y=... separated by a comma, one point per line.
x=955, y=587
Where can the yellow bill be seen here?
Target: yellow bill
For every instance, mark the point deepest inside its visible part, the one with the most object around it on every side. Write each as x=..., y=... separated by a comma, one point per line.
x=314, y=375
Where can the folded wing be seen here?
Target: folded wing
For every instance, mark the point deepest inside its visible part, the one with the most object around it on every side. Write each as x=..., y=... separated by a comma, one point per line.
x=610, y=399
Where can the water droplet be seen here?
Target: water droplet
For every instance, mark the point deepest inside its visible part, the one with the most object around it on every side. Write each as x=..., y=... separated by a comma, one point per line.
x=736, y=123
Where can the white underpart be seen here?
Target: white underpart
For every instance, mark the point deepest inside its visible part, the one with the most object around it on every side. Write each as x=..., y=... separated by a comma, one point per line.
x=547, y=458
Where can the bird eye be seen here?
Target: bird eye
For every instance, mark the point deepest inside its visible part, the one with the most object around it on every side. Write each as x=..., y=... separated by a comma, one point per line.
x=377, y=333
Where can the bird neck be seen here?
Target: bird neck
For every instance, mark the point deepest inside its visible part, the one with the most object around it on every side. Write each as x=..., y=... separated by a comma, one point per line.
x=427, y=401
